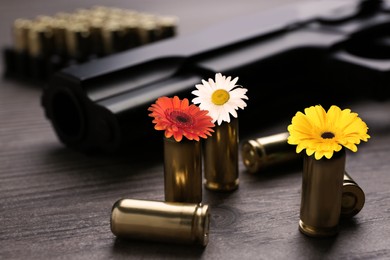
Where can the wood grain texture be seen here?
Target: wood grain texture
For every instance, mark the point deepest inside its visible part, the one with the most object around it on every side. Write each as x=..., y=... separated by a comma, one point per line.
x=55, y=203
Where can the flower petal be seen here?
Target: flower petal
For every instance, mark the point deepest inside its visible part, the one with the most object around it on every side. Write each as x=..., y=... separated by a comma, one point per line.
x=221, y=112
x=322, y=133
x=178, y=118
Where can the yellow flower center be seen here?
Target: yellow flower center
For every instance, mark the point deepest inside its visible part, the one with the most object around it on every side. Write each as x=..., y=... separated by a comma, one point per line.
x=220, y=97
x=327, y=135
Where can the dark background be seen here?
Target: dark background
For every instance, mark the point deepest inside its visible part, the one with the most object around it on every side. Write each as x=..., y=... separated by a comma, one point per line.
x=55, y=203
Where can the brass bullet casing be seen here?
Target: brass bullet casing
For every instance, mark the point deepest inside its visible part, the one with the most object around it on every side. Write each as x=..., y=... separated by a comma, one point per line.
x=182, y=170
x=133, y=34
x=353, y=197
x=175, y=222
x=264, y=152
x=268, y=151
x=148, y=31
x=96, y=30
x=21, y=28
x=113, y=35
x=40, y=38
x=46, y=44
x=167, y=26
x=221, y=158
x=321, y=196
x=78, y=41
x=59, y=34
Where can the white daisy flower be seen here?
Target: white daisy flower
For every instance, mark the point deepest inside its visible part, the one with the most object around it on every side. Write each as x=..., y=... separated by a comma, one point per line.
x=220, y=98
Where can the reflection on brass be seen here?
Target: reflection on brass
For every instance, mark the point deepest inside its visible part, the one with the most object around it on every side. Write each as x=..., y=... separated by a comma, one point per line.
x=353, y=197
x=221, y=157
x=161, y=221
x=182, y=171
x=264, y=152
x=321, y=196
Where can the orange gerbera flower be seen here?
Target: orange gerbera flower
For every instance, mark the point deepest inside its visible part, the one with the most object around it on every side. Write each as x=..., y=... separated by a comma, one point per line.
x=179, y=119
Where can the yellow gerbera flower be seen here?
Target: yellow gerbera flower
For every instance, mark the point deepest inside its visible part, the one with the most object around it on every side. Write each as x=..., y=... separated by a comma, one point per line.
x=321, y=133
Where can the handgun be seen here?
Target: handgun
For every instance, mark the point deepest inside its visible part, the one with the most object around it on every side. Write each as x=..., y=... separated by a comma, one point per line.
x=321, y=52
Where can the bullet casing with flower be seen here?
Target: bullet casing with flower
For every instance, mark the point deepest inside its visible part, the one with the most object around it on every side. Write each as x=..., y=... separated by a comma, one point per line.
x=182, y=171
x=325, y=135
x=221, y=158
x=321, y=195
x=221, y=98
x=265, y=152
x=182, y=158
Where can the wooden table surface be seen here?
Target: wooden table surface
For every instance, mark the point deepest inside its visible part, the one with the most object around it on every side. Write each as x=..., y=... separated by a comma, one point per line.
x=55, y=203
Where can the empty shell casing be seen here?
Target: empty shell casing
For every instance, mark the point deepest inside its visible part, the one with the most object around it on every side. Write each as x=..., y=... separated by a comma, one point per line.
x=353, y=197
x=182, y=171
x=221, y=157
x=161, y=221
x=321, y=195
x=268, y=151
x=264, y=152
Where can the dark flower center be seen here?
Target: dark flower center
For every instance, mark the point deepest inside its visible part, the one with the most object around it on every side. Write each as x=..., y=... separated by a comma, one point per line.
x=181, y=118
x=327, y=135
